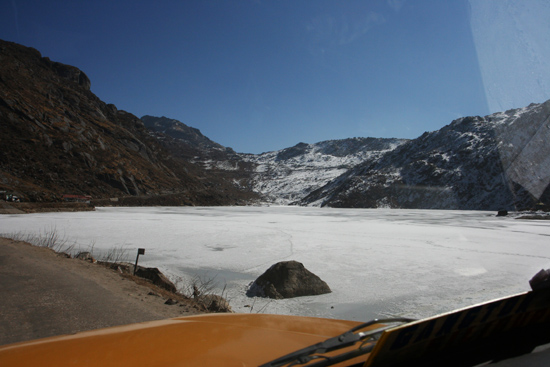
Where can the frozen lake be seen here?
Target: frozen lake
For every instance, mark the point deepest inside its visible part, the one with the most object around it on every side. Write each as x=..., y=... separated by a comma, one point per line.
x=378, y=262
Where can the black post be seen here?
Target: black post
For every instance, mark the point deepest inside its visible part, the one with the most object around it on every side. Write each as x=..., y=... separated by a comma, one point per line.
x=141, y=251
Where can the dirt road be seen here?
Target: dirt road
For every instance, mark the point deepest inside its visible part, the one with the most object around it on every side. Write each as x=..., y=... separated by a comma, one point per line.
x=44, y=294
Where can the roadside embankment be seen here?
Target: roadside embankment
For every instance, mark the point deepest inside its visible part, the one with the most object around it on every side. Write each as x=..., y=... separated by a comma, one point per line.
x=46, y=294
x=28, y=207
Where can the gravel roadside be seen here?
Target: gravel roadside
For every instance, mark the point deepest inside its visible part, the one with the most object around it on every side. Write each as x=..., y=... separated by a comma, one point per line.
x=45, y=294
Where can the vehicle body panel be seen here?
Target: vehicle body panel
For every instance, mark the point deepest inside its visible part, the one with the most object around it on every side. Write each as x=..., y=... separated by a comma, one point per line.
x=495, y=330
x=203, y=340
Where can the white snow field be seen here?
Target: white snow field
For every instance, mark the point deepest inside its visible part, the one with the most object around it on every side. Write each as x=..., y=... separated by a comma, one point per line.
x=378, y=262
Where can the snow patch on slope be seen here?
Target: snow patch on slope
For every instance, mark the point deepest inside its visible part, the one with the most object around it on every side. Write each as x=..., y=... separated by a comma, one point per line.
x=290, y=174
x=497, y=161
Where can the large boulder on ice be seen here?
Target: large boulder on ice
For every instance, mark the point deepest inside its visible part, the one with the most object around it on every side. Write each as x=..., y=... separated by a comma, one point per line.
x=287, y=279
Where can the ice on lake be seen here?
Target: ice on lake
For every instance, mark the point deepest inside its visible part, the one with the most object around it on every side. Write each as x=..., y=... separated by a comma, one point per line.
x=378, y=262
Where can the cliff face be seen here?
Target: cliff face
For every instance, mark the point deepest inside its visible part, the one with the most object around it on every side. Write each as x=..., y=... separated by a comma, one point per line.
x=58, y=138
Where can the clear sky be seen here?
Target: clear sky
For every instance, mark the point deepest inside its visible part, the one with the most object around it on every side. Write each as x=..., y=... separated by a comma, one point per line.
x=259, y=75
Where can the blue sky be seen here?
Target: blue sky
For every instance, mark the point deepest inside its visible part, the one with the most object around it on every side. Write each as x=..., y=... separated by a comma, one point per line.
x=264, y=75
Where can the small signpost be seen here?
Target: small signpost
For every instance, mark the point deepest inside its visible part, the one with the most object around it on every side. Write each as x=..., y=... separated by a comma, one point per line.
x=141, y=251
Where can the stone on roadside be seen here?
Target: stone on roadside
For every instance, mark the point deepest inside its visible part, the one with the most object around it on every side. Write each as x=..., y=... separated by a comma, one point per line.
x=156, y=276
x=85, y=256
x=170, y=302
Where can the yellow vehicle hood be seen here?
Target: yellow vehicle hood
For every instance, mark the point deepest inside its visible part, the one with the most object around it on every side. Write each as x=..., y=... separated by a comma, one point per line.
x=203, y=340
x=490, y=331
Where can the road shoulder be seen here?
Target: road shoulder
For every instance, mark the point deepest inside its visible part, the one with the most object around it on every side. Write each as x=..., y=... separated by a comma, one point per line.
x=45, y=294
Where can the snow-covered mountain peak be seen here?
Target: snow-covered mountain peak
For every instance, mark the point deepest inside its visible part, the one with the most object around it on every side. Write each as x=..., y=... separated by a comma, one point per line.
x=288, y=175
x=497, y=161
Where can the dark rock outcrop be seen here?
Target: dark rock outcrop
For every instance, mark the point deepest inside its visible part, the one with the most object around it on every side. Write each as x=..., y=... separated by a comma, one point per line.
x=541, y=280
x=171, y=302
x=85, y=256
x=156, y=277
x=287, y=279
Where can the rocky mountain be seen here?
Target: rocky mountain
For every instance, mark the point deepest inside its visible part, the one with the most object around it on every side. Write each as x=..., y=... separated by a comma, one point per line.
x=290, y=174
x=280, y=177
x=500, y=161
x=58, y=138
x=189, y=144
x=196, y=142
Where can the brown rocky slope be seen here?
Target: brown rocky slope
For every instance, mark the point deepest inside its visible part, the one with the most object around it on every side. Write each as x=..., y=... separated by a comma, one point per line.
x=57, y=138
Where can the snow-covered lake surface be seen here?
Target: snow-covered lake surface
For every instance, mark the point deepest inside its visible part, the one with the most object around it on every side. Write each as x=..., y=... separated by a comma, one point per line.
x=378, y=262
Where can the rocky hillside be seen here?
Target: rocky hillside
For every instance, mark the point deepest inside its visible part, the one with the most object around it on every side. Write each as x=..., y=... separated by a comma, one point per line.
x=219, y=163
x=500, y=161
x=192, y=138
x=280, y=177
x=58, y=138
x=290, y=174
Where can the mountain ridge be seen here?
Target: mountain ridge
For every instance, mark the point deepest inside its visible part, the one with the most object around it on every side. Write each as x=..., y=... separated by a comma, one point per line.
x=287, y=175
x=460, y=166
x=59, y=138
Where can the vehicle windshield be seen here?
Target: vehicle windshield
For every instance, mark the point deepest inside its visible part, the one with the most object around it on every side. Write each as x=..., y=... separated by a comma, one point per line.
x=397, y=150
